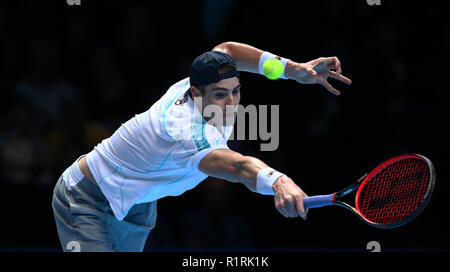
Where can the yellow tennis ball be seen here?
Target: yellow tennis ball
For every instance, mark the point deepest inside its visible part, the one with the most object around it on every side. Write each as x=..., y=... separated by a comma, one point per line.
x=273, y=69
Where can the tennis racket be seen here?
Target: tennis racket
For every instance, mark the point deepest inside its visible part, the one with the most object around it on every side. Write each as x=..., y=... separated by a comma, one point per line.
x=391, y=195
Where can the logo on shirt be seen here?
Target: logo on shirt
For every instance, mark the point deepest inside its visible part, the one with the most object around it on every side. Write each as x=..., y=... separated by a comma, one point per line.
x=179, y=102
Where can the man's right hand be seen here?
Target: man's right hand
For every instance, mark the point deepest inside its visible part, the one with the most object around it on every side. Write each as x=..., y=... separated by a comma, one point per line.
x=289, y=198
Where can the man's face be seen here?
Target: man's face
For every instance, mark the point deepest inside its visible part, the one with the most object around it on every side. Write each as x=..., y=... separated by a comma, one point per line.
x=225, y=95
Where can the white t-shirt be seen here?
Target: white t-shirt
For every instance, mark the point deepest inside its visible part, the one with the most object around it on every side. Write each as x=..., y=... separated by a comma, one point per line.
x=156, y=153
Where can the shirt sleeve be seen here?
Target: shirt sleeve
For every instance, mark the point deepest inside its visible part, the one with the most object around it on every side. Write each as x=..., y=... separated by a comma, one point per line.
x=197, y=158
x=205, y=139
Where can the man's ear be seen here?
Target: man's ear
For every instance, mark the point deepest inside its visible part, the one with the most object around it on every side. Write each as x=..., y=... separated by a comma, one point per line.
x=195, y=92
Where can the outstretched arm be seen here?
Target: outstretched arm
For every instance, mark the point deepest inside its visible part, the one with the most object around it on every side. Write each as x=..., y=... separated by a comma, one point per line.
x=313, y=72
x=232, y=166
x=246, y=56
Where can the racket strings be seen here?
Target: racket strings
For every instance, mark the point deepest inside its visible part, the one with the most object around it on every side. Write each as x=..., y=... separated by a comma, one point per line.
x=393, y=191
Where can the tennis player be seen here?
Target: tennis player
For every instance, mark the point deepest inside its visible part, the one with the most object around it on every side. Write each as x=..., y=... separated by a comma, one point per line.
x=106, y=200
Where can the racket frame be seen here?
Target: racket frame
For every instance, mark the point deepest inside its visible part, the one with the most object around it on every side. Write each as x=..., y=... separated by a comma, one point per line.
x=355, y=186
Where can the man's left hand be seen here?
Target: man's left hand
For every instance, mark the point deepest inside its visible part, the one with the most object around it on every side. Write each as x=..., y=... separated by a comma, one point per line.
x=317, y=72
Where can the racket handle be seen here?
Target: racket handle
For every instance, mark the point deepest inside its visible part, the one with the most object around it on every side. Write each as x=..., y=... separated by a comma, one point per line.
x=318, y=201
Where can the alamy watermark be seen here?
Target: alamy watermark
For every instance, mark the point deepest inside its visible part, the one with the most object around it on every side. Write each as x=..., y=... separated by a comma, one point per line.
x=73, y=246
x=234, y=123
x=257, y=125
x=373, y=246
x=374, y=2
x=73, y=2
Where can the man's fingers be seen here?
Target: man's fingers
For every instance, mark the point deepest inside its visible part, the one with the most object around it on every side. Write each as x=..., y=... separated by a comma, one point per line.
x=340, y=77
x=330, y=88
x=291, y=207
x=285, y=210
x=290, y=212
x=281, y=210
x=300, y=207
x=334, y=63
x=303, y=215
x=338, y=68
x=299, y=204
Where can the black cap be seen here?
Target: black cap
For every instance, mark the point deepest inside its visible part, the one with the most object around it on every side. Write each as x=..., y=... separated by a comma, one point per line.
x=205, y=68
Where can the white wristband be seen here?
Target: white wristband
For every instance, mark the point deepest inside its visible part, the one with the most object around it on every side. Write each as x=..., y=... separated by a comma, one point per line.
x=267, y=55
x=265, y=179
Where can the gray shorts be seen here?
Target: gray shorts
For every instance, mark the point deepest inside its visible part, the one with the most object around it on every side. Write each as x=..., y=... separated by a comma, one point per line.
x=85, y=221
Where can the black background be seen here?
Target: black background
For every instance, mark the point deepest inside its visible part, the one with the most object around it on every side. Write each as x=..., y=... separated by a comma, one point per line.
x=118, y=57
